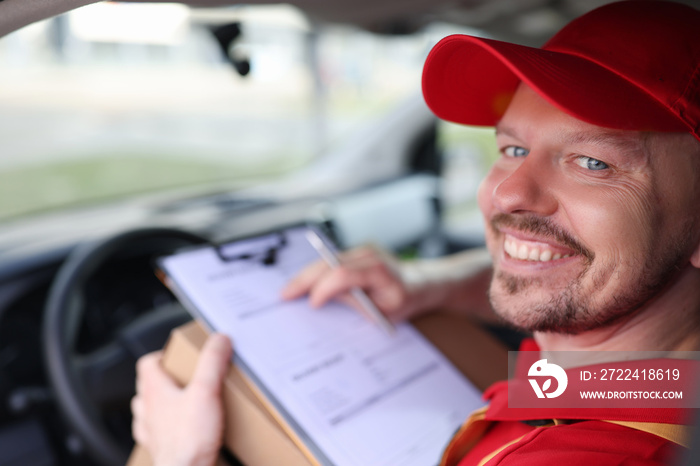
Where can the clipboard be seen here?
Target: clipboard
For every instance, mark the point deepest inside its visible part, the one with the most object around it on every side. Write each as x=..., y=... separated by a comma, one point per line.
x=306, y=390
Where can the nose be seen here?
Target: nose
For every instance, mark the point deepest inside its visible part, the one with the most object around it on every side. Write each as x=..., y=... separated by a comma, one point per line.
x=526, y=189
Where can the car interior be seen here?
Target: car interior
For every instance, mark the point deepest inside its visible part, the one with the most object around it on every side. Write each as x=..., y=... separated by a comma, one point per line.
x=312, y=113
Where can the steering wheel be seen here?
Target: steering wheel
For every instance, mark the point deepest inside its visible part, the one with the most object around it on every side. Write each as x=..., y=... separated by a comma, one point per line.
x=86, y=384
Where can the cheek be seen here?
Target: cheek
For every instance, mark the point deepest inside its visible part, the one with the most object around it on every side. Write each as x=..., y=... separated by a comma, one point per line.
x=616, y=223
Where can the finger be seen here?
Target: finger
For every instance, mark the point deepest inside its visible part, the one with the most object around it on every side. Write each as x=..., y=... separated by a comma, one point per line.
x=212, y=364
x=387, y=290
x=365, y=263
x=363, y=252
x=380, y=283
x=137, y=407
x=149, y=371
x=144, y=367
x=147, y=361
x=362, y=268
x=305, y=280
x=388, y=299
x=334, y=284
x=138, y=430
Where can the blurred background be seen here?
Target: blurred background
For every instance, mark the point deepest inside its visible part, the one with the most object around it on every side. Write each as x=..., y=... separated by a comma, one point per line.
x=118, y=99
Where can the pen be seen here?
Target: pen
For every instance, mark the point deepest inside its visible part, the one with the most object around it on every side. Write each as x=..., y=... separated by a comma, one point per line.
x=365, y=303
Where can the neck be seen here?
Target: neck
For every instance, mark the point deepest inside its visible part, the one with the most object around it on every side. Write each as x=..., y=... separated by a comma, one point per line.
x=668, y=322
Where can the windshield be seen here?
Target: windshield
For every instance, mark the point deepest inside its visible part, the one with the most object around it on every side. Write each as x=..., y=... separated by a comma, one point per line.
x=114, y=99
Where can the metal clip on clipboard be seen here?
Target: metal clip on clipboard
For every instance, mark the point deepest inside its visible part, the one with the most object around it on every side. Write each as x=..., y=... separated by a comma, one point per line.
x=265, y=252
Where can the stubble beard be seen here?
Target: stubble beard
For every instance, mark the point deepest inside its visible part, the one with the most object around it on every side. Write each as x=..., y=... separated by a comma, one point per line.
x=574, y=310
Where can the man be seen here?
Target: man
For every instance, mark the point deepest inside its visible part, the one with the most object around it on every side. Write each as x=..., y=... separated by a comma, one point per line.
x=591, y=222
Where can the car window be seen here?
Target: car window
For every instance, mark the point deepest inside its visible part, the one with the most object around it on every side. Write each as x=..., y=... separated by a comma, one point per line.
x=116, y=99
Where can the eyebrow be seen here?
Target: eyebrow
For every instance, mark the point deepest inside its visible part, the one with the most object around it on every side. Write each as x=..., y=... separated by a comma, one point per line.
x=626, y=144
x=507, y=130
x=617, y=140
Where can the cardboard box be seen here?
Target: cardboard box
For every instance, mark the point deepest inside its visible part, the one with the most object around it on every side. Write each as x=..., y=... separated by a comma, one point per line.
x=258, y=436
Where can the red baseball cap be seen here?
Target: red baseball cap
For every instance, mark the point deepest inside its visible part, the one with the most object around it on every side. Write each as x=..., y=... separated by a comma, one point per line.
x=631, y=65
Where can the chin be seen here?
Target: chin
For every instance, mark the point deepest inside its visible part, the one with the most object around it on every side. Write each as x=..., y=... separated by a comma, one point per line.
x=534, y=311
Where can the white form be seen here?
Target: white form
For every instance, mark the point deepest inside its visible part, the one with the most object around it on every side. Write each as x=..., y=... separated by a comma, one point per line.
x=356, y=395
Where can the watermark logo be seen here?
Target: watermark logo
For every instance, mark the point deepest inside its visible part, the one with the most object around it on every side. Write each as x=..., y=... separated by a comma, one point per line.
x=604, y=379
x=542, y=368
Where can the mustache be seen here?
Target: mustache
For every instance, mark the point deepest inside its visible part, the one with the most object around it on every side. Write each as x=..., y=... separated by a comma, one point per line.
x=542, y=227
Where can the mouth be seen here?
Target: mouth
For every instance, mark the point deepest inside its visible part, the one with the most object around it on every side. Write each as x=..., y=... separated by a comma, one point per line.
x=519, y=248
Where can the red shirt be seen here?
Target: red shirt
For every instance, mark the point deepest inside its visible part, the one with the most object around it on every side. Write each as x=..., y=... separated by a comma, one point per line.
x=497, y=435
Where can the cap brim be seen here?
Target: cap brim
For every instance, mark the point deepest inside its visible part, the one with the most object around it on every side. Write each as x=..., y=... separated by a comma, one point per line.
x=470, y=80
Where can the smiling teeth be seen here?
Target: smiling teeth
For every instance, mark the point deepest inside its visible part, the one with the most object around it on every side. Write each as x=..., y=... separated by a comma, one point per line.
x=524, y=252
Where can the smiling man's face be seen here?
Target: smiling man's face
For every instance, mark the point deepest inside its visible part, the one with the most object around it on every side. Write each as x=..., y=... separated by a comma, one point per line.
x=585, y=224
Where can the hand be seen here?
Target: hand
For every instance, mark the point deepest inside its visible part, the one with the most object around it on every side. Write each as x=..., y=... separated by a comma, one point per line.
x=182, y=426
x=374, y=271
x=402, y=290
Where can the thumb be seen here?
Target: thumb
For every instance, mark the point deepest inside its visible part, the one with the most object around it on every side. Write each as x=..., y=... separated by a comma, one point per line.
x=212, y=364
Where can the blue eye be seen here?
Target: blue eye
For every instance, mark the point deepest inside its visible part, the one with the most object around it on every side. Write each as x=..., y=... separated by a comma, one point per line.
x=591, y=163
x=515, y=151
